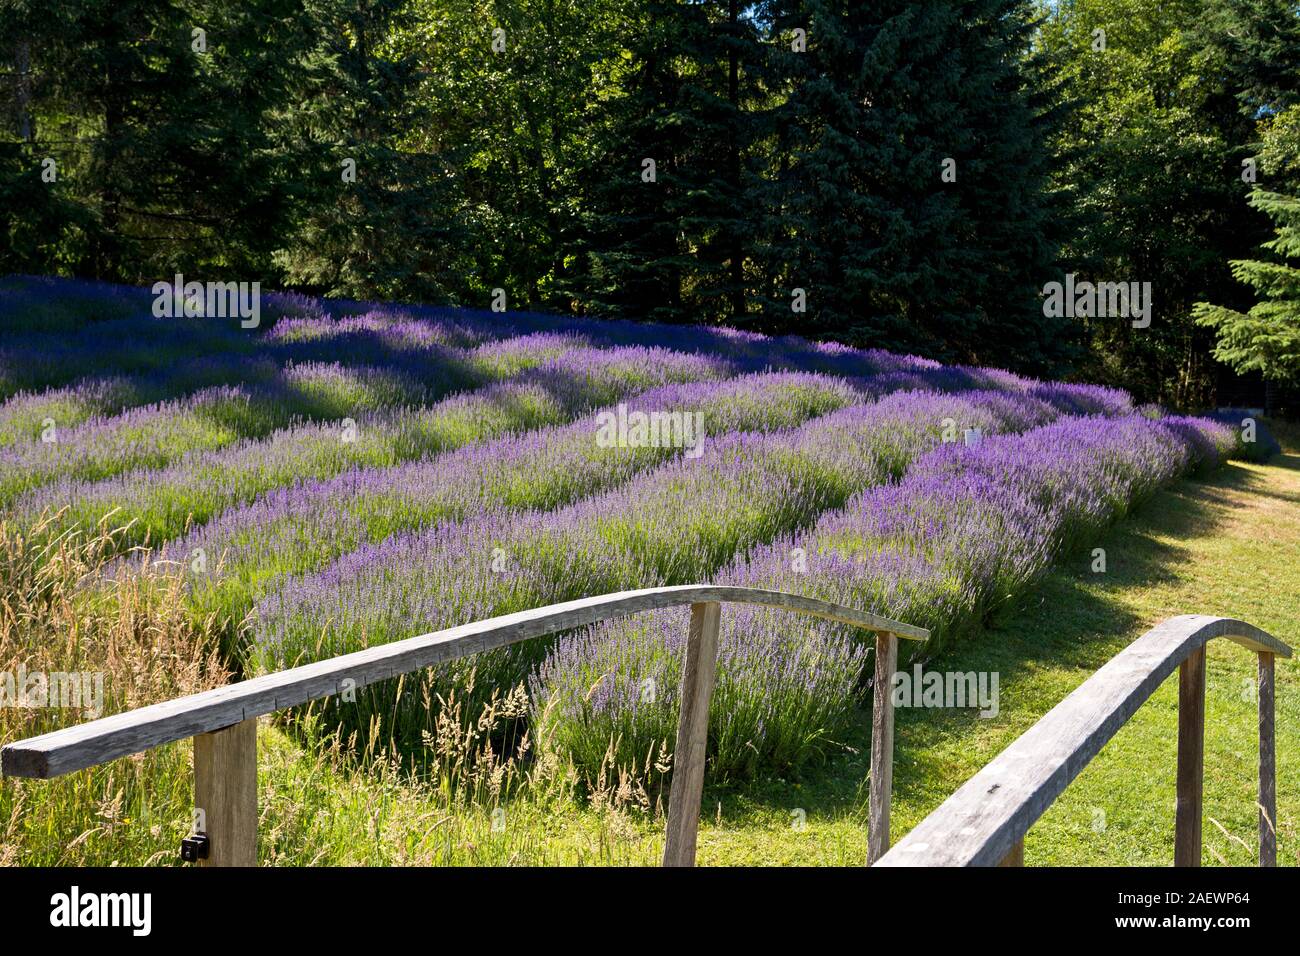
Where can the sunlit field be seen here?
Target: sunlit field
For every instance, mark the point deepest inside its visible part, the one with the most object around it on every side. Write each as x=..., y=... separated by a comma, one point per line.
x=192, y=501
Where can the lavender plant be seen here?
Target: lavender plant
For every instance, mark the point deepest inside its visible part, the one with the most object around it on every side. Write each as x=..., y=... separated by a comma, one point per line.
x=678, y=523
x=967, y=529
x=304, y=527
x=162, y=503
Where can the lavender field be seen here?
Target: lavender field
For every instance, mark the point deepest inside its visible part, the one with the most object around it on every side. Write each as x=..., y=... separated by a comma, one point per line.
x=348, y=474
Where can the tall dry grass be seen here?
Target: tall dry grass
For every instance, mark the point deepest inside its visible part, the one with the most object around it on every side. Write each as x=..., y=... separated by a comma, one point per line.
x=60, y=613
x=475, y=796
x=483, y=792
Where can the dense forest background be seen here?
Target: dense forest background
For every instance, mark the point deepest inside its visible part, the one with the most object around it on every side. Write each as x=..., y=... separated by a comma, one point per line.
x=905, y=175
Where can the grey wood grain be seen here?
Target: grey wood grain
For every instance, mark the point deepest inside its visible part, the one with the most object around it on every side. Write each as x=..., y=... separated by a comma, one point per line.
x=980, y=824
x=698, y=675
x=882, y=747
x=1267, y=764
x=1190, y=776
x=98, y=741
x=225, y=789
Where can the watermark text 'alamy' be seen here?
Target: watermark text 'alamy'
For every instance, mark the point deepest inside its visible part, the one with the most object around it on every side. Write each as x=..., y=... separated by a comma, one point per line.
x=624, y=429
x=1073, y=299
x=208, y=300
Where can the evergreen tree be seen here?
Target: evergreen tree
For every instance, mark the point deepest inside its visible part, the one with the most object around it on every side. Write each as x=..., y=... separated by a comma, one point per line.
x=1255, y=44
x=911, y=200
x=372, y=218
x=857, y=188
x=153, y=114
x=636, y=258
x=387, y=148
x=721, y=98
x=1267, y=338
x=49, y=222
x=672, y=190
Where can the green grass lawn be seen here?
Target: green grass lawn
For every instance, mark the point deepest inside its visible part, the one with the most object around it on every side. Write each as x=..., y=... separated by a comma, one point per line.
x=1229, y=545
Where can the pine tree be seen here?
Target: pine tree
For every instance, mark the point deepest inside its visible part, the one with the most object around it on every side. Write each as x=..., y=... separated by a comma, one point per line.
x=719, y=177
x=373, y=218
x=1256, y=44
x=153, y=114
x=849, y=199
x=635, y=259
x=911, y=201
x=1267, y=338
x=1013, y=220
x=671, y=190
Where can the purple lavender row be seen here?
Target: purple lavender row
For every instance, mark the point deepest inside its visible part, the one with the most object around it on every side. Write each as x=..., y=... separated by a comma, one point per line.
x=376, y=334
x=160, y=504
x=374, y=345
x=167, y=361
x=23, y=416
x=677, y=523
x=152, y=436
x=155, y=435
x=967, y=529
x=302, y=528
x=59, y=332
x=298, y=529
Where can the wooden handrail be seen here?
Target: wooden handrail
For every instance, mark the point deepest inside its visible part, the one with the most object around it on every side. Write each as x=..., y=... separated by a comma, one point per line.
x=223, y=720
x=984, y=822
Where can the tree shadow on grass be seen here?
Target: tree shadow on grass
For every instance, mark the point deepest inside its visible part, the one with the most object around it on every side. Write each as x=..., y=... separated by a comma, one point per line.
x=1290, y=461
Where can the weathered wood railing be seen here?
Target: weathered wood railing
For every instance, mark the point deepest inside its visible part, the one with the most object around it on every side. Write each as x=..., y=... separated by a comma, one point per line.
x=985, y=821
x=223, y=722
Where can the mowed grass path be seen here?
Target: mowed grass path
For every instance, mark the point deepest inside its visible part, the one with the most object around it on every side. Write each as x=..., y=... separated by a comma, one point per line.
x=1227, y=546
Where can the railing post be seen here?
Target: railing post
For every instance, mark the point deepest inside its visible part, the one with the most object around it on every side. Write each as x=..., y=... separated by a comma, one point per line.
x=1016, y=857
x=698, y=674
x=1267, y=764
x=225, y=789
x=1191, y=759
x=882, y=746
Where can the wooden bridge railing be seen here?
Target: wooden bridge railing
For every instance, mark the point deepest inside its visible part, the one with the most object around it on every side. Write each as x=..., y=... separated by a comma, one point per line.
x=223, y=722
x=985, y=821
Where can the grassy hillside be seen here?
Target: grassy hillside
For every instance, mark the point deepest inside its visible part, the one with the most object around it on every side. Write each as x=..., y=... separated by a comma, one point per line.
x=1225, y=546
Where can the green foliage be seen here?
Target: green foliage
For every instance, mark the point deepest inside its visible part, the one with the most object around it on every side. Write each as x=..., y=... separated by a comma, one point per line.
x=910, y=197
x=373, y=214
x=1257, y=44
x=674, y=240
x=510, y=113
x=1152, y=163
x=160, y=150
x=813, y=162
x=1279, y=149
x=1267, y=338
x=918, y=171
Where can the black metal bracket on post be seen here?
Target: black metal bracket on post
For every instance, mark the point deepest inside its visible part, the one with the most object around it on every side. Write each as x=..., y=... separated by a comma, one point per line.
x=195, y=847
